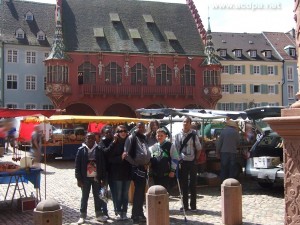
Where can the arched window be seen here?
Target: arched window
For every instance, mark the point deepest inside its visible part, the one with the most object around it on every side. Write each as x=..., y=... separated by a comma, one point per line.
x=187, y=76
x=88, y=72
x=138, y=74
x=163, y=75
x=113, y=73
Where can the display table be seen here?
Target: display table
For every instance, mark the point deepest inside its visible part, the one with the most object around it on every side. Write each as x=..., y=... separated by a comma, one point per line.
x=19, y=177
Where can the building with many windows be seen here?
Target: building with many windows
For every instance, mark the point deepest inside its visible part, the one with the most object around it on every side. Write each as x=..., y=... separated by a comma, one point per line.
x=252, y=71
x=120, y=55
x=27, y=31
x=285, y=45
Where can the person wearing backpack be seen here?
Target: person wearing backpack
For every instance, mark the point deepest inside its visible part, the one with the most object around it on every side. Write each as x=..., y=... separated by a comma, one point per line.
x=138, y=155
x=188, y=145
x=164, y=159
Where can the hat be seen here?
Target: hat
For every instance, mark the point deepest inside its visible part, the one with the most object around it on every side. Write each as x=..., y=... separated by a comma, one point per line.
x=231, y=123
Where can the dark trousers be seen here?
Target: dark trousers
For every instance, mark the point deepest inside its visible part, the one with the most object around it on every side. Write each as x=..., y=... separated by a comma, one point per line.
x=187, y=179
x=228, y=165
x=139, y=194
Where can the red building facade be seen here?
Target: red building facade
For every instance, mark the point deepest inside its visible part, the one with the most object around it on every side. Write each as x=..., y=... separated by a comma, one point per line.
x=110, y=81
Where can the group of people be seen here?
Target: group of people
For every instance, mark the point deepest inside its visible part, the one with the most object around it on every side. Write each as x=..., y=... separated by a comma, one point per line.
x=119, y=158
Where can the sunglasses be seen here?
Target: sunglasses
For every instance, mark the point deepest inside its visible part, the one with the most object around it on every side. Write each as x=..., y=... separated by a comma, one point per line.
x=122, y=131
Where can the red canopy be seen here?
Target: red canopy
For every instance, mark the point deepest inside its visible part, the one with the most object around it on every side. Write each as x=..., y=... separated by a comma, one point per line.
x=9, y=113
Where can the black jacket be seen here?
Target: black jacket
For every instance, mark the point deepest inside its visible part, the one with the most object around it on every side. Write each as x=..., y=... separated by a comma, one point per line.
x=81, y=161
x=118, y=169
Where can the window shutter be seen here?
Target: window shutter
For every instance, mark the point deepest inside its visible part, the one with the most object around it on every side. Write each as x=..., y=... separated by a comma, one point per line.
x=231, y=69
x=243, y=88
x=263, y=89
x=219, y=106
x=231, y=89
x=232, y=106
x=277, y=103
x=251, y=88
x=276, y=70
x=251, y=69
x=245, y=106
x=263, y=70
x=243, y=69
x=264, y=103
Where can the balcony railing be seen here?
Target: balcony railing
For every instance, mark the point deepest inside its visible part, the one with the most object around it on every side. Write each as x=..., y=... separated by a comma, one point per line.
x=128, y=90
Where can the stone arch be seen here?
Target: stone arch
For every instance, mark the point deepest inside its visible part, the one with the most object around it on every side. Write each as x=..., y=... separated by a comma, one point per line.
x=80, y=109
x=119, y=110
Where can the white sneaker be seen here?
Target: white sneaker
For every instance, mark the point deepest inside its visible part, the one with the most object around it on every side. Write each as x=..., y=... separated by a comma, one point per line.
x=81, y=221
x=102, y=218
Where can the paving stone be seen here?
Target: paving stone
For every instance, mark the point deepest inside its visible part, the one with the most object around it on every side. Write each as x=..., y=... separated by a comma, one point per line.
x=260, y=206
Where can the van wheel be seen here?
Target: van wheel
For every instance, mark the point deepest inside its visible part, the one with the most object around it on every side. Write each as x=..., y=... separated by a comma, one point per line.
x=265, y=185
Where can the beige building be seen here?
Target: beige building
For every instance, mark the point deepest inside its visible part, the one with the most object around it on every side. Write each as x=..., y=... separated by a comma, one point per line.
x=252, y=71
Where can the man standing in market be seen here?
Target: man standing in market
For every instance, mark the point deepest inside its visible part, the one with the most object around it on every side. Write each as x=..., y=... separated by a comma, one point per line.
x=189, y=148
x=90, y=171
x=226, y=150
x=138, y=155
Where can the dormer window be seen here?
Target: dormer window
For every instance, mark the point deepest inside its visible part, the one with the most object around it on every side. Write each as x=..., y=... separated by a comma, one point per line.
x=237, y=53
x=252, y=53
x=20, y=34
x=40, y=36
x=223, y=52
x=267, y=53
x=290, y=50
x=29, y=16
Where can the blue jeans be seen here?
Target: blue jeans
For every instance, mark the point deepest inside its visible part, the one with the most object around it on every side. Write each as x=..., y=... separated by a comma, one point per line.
x=120, y=195
x=228, y=165
x=100, y=206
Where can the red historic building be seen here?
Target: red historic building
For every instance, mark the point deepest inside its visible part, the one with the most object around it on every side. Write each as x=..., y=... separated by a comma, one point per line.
x=110, y=57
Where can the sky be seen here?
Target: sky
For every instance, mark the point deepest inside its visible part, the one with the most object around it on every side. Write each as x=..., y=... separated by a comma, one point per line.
x=239, y=16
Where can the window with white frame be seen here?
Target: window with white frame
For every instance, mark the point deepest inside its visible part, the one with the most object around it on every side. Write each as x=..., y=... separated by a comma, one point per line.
x=238, y=53
x=291, y=94
x=271, y=89
x=290, y=73
x=31, y=57
x=223, y=52
x=40, y=36
x=11, y=106
x=252, y=53
x=270, y=70
x=238, y=106
x=292, y=52
x=30, y=106
x=30, y=83
x=20, y=34
x=225, y=106
x=29, y=16
x=237, y=88
x=256, y=69
x=12, y=56
x=272, y=104
x=237, y=69
x=12, y=82
x=256, y=88
x=48, y=107
x=225, y=88
x=46, y=55
x=225, y=69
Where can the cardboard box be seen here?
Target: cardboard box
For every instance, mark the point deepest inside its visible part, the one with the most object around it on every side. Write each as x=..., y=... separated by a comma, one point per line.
x=26, y=204
x=265, y=162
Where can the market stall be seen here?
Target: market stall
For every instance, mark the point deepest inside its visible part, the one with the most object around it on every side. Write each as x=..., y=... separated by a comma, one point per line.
x=66, y=143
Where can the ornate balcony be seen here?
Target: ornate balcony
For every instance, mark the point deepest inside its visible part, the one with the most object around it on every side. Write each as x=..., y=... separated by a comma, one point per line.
x=141, y=91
